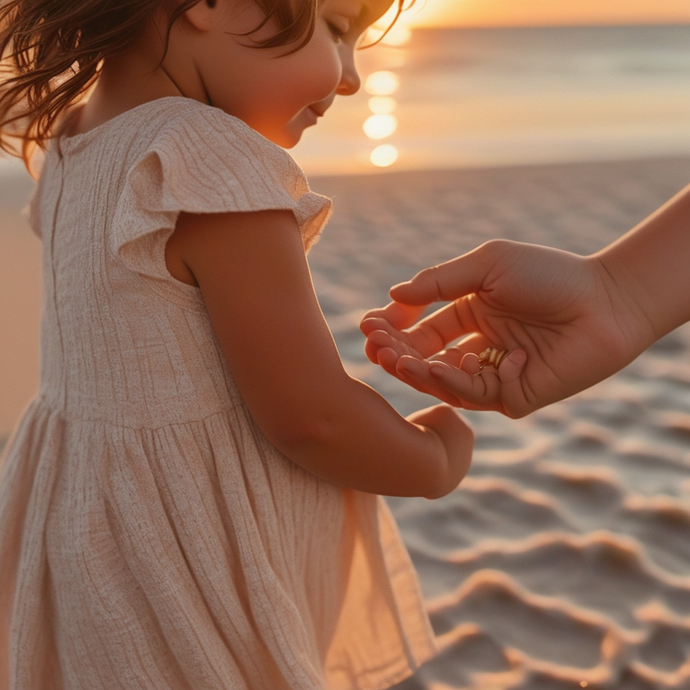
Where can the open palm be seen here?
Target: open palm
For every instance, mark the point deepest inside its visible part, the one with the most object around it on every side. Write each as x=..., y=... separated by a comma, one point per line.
x=564, y=312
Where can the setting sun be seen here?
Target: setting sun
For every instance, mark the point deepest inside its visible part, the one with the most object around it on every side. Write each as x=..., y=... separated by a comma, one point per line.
x=544, y=12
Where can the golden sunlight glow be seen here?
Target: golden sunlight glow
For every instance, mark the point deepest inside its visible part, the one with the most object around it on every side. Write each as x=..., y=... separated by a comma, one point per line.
x=381, y=83
x=399, y=35
x=383, y=156
x=380, y=126
x=543, y=12
x=382, y=105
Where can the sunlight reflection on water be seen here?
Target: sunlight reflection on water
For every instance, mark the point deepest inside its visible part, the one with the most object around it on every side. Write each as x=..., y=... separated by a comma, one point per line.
x=486, y=97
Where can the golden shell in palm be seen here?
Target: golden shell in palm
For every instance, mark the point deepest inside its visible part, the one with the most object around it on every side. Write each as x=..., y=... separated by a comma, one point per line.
x=491, y=357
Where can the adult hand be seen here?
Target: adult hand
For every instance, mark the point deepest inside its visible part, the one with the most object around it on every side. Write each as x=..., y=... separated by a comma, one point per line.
x=566, y=321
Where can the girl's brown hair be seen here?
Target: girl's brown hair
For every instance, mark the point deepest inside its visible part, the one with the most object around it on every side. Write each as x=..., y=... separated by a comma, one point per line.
x=51, y=52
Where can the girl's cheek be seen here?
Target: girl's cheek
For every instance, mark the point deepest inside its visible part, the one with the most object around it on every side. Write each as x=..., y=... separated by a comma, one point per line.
x=334, y=76
x=327, y=66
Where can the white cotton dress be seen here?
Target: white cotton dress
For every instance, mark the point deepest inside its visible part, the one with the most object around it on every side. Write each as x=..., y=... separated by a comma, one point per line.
x=150, y=536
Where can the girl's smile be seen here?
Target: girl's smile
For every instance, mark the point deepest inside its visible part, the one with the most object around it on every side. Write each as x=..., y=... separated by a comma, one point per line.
x=212, y=57
x=276, y=92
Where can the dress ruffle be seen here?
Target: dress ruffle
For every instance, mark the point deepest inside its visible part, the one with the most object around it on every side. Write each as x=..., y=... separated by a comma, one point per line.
x=207, y=162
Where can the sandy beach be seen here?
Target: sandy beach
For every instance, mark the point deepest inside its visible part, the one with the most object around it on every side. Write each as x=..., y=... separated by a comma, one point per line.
x=562, y=560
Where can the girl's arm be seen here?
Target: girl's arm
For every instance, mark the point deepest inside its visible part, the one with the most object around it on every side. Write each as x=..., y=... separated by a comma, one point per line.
x=254, y=277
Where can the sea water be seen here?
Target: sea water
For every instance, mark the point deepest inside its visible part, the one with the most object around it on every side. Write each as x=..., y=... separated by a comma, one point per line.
x=484, y=97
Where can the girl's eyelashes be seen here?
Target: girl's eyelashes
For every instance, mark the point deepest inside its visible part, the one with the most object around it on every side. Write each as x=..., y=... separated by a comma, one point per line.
x=339, y=28
x=335, y=31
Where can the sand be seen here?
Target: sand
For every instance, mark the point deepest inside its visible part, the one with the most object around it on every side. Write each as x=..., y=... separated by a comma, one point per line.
x=562, y=560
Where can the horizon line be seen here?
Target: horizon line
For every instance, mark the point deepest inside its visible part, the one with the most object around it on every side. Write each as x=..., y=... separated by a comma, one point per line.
x=541, y=25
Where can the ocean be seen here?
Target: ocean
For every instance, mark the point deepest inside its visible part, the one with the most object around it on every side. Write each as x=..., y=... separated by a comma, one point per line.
x=505, y=96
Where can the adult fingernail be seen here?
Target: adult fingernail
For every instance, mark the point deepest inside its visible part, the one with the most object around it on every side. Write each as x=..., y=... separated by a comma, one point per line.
x=398, y=285
x=437, y=369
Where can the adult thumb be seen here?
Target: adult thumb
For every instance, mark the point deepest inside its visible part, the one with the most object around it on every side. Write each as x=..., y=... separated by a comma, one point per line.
x=448, y=281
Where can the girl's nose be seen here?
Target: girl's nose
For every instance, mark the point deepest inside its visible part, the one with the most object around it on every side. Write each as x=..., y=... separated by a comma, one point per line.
x=349, y=80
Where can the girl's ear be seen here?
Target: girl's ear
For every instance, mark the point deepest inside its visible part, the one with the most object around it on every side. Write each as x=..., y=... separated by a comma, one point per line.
x=202, y=15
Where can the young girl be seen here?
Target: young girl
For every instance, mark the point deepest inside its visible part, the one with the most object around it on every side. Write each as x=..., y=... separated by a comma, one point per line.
x=190, y=501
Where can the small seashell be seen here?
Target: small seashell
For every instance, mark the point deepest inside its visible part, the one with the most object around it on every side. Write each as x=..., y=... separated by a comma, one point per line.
x=491, y=357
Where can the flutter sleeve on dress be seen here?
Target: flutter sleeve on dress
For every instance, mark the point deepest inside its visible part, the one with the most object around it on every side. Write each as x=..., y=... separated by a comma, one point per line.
x=205, y=161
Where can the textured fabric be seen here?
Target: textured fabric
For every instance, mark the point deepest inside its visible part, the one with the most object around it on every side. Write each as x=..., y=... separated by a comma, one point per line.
x=150, y=536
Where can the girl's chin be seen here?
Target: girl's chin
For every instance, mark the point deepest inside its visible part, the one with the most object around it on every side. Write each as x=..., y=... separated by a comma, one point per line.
x=285, y=138
x=287, y=141
x=290, y=144
x=290, y=134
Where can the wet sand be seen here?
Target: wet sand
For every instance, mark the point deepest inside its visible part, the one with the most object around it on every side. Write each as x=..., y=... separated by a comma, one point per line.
x=562, y=560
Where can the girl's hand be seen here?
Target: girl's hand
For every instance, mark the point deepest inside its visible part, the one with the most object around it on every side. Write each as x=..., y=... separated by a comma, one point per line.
x=565, y=321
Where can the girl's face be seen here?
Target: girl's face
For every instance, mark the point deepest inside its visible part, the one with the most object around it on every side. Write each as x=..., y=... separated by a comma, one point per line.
x=276, y=94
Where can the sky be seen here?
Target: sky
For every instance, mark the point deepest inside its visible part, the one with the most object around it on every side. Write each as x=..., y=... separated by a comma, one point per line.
x=546, y=12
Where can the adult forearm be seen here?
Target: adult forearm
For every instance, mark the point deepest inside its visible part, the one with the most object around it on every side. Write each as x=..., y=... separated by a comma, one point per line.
x=650, y=267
